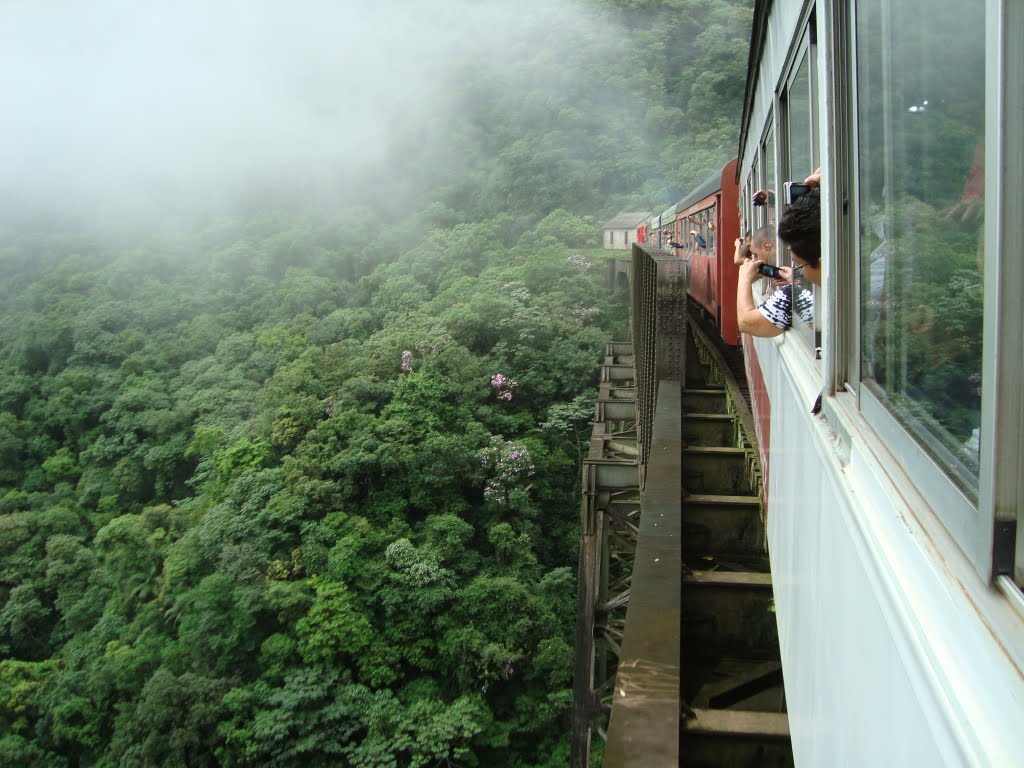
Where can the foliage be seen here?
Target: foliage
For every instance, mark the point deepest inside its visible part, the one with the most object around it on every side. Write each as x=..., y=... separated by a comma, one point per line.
x=284, y=490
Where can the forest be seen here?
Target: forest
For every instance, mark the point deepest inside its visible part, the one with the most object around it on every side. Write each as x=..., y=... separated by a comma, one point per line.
x=298, y=485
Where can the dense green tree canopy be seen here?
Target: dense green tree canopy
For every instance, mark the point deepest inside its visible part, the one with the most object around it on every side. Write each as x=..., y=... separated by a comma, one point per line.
x=301, y=488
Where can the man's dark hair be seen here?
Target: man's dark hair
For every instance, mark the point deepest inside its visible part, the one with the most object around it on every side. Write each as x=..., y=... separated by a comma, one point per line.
x=800, y=228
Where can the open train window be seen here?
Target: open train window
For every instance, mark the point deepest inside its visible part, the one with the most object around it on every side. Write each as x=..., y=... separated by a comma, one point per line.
x=770, y=182
x=799, y=125
x=746, y=210
x=754, y=184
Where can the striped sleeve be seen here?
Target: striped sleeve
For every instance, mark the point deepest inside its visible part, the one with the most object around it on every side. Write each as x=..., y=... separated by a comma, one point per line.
x=778, y=308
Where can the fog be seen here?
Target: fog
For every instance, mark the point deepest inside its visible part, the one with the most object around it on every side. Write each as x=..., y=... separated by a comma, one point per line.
x=118, y=110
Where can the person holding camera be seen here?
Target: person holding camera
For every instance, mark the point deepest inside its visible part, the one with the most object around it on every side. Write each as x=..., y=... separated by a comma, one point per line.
x=760, y=245
x=742, y=249
x=800, y=229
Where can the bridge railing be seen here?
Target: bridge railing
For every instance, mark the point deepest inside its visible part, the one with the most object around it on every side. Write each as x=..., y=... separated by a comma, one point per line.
x=658, y=327
x=643, y=728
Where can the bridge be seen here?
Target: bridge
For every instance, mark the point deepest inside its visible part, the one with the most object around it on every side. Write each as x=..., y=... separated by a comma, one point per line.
x=676, y=646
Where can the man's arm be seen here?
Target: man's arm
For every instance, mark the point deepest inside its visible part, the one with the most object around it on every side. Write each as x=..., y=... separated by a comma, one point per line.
x=739, y=255
x=749, y=317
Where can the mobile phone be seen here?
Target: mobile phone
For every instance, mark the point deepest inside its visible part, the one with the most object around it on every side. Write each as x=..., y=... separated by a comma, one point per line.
x=768, y=270
x=795, y=190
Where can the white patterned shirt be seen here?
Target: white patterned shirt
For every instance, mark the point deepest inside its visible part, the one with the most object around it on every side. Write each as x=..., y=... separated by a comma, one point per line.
x=778, y=308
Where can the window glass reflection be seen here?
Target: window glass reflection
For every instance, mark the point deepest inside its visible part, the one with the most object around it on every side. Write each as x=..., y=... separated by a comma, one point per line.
x=801, y=162
x=801, y=128
x=921, y=83
x=769, y=173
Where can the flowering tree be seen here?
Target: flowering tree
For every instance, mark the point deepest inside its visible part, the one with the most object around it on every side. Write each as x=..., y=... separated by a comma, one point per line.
x=503, y=385
x=510, y=467
x=581, y=262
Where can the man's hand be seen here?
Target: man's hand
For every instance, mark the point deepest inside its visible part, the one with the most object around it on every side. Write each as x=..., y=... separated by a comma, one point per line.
x=748, y=272
x=748, y=317
x=785, y=276
x=739, y=252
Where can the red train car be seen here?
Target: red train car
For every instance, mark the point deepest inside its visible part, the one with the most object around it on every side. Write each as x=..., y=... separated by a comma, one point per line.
x=707, y=225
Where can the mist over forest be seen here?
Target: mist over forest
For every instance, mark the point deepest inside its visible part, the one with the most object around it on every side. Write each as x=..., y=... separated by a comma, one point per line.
x=118, y=112
x=200, y=107
x=301, y=312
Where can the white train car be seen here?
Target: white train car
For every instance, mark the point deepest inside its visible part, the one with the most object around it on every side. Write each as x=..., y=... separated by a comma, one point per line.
x=894, y=510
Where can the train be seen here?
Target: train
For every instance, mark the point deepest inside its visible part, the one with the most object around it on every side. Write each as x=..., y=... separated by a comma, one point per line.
x=702, y=229
x=892, y=419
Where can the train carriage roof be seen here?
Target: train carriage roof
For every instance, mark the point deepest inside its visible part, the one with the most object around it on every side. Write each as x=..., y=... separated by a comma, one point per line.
x=713, y=184
x=758, y=34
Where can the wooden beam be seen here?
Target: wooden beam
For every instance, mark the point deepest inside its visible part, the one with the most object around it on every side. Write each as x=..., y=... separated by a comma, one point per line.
x=734, y=722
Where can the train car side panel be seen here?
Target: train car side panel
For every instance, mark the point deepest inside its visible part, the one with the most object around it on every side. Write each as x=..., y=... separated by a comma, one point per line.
x=727, y=270
x=702, y=280
x=762, y=407
x=897, y=648
x=884, y=664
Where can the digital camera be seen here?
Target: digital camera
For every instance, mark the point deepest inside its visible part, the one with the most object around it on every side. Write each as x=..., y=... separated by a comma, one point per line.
x=795, y=190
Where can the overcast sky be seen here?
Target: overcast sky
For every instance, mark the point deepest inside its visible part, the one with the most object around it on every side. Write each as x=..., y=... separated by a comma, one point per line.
x=118, y=107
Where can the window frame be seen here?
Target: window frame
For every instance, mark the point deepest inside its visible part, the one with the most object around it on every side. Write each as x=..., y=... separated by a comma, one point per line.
x=842, y=291
x=769, y=134
x=754, y=184
x=746, y=208
x=947, y=501
x=1001, y=477
x=990, y=531
x=805, y=45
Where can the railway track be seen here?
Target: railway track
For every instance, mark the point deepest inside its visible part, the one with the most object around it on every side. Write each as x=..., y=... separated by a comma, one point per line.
x=734, y=711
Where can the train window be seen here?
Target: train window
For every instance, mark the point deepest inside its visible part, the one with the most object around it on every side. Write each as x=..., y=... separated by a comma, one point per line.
x=1001, y=489
x=799, y=121
x=756, y=219
x=745, y=213
x=921, y=125
x=798, y=108
x=768, y=160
